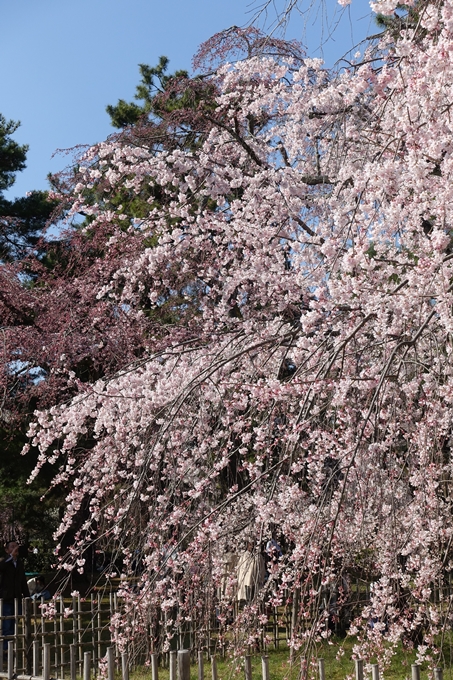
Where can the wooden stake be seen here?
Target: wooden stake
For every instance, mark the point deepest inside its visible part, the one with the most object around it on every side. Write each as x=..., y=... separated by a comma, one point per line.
x=358, y=669
x=184, y=664
x=200, y=666
x=265, y=666
x=110, y=663
x=172, y=664
x=214, y=668
x=73, y=661
x=125, y=666
x=155, y=666
x=35, y=669
x=10, y=663
x=248, y=667
x=46, y=661
x=415, y=672
x=27, y=635
x=87, y=666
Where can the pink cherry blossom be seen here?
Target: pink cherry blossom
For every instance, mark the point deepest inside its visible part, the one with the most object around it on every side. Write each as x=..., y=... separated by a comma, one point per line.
x=303, y=384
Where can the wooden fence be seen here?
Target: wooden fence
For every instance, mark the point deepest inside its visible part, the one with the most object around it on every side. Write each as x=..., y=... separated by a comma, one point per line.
x=72, y=627
x=55, y=640
x=71, y=638
x=179, y=667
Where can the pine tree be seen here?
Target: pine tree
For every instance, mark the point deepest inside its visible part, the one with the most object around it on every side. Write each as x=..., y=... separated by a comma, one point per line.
x=22, y=219
x=154, y=81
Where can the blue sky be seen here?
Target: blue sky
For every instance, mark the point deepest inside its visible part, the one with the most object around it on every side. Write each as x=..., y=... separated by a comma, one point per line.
x=63, y=61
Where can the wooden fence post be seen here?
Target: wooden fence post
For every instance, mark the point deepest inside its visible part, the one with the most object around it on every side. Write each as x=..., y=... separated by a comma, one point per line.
x=55, y=633
x=438, y=674
x=93, y=628
x=46, y=661
x=358, y=669
x=184, y=664
x=27, y=635
x=87, y=666
x=60, y=639
x=375, y=671
x=74, y=620
x=99, y=625
x=10, y=662
x=110, y=663
x=73, y=661
x=214, y=668
x=17, y=615
x=79, y=632
x=172, y=665
x=415, y=672
x=265, y=666
x=35, y=668
x=125, y=666
x=322, y=670
x=155, y=666
x=200, y=666
x=248, y=667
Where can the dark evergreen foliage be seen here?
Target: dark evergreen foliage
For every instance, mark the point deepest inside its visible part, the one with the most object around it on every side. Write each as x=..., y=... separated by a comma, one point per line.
x=154, y=81
x=22, y=220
